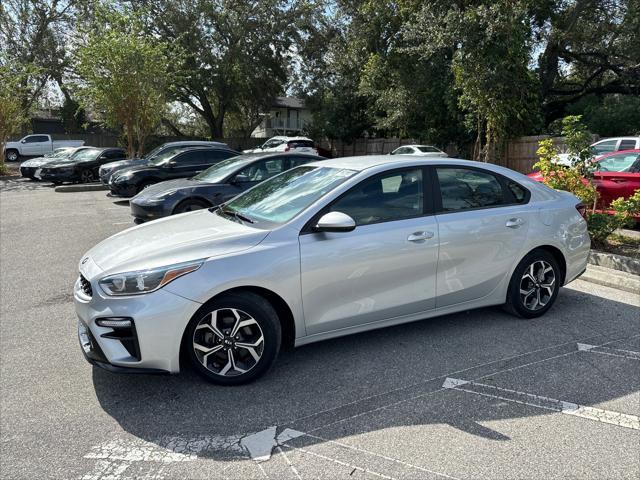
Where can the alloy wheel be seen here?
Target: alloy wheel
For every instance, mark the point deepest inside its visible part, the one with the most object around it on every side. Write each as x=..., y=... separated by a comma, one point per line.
x=228, y=342
x=12, y=156
x=537, y=285
x=86, y=176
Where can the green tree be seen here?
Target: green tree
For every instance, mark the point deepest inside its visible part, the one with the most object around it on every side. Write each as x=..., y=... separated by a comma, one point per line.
x=125, y=75
x=12, y=113
x=236, y=53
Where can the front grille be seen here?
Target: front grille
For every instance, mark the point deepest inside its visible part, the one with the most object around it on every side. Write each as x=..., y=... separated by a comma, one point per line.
x=85, y=286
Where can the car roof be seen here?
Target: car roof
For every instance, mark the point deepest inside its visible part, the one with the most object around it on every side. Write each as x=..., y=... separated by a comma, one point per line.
x=631, y=137
x=193, y=142
x=365, y=162
x=281, y=137
x=418, y=146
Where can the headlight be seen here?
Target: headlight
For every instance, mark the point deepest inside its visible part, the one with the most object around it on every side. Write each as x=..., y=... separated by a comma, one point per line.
x=145, y=281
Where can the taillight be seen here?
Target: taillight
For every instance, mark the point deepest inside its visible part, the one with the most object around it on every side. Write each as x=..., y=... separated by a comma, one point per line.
x=582, y=210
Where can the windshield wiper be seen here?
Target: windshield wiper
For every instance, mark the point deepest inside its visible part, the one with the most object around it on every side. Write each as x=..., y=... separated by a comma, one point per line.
x=233, y=213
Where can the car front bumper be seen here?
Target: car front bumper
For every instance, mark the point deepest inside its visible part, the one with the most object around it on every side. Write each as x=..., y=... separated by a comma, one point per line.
x=58, y=176
x=145, y=212
x=159, y=320
x=28, y=172
x=122, y=189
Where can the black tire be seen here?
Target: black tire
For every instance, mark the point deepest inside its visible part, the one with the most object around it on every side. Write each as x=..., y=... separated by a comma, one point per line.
x=190, y=205
x=249, y=305
x=525, y=305
x=144, y=184
x=86, y=176
x=11, y=155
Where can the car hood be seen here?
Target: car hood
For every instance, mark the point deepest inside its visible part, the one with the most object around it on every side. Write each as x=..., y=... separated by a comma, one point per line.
x=175, y=239
x=163, y=187
x=37, y=162
x=61, y=163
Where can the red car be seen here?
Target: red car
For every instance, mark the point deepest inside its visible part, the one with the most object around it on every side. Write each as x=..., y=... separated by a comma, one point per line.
x=617, y=175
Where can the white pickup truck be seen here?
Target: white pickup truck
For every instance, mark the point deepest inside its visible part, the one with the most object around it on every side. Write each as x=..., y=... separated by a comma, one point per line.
x=36, y=146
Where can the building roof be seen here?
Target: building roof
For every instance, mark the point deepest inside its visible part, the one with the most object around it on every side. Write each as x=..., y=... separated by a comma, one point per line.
x=288, y=102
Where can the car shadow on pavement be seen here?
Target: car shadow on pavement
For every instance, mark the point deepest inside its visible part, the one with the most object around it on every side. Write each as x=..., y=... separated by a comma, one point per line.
x=23, y=184
x=393, y=377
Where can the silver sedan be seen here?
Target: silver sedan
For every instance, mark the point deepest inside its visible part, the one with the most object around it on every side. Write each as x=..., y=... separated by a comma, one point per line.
x=323, y=250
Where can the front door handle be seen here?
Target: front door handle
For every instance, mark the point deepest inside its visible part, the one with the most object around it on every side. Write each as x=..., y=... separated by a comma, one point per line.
x=419, y=236
x=514, y=223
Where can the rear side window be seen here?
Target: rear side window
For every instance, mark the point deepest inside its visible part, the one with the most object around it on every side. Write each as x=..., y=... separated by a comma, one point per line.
x=297, y=161
x=463, y=189
x=393, y=196
x=627, y=145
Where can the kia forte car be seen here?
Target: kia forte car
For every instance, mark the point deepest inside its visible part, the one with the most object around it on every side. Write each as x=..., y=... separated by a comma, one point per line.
x=326, y=249
x=214, y=186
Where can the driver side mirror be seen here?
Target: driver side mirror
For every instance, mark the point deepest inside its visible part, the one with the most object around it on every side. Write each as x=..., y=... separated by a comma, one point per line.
x=335, y=222
x=241, y=178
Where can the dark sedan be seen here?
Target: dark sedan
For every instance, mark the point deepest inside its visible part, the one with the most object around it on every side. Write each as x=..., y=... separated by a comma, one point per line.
x=164, y=150
x=182, y=164
x=82, y=166
x=214, y=186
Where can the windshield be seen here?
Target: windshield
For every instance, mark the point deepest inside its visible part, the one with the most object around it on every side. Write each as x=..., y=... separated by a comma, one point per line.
x=221, y=170
x=282, y=197
x=59, y=152
x=166, y=155
x=618, y=163
x=85, y=155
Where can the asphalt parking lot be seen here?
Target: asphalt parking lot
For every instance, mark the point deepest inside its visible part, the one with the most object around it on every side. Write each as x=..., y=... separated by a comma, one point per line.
x=472, y=395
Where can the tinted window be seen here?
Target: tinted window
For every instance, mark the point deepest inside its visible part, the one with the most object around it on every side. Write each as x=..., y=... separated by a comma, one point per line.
x=114, y=154
x=605, y=147
x=402, y=151
x=36, y=139
x=300, y=144
x=427, y=149
x=518, y=191
x=617, y=163
x=195, y=157
x=462, y=188
x=260, y=171
x=627, y=145
x=392, y=196
x=297, y=161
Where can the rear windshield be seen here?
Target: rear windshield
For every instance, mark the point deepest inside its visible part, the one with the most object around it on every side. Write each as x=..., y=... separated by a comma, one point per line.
x=300, y=144
x=428, y=149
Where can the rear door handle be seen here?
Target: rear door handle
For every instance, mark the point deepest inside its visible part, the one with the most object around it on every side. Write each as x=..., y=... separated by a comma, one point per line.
x=514, y=223
x=419, y=236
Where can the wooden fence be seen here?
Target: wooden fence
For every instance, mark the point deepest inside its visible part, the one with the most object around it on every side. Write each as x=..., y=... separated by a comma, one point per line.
x=519, y=153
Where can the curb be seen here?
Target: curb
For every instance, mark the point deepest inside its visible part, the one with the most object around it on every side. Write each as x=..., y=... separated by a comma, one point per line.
x=612, y=278
x=615, y=262
x=83, y=187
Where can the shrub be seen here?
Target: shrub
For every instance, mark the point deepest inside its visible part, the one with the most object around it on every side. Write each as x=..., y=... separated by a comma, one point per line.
x=602, y=225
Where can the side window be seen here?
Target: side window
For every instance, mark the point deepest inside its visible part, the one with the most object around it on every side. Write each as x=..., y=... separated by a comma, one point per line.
x=463, y=188
x=263, y=169
x=604, y=147
x=627, y=145
x=190, y=158
x=518, y=191
x=272, y=143
x=617, y=163
x=115, y=154
x=210, y=157
x=36, y=139
x=297, y=161
x=402, y=151
x=392, y=196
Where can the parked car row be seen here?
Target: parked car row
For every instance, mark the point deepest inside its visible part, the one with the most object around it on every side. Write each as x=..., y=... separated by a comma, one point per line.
x=35, y=146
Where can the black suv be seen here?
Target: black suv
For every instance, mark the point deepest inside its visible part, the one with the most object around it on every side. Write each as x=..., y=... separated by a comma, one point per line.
x=184, y=164
x=82, y=166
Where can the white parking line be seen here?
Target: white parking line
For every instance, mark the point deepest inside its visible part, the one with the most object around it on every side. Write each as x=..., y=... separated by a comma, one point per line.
x=613, y=352
x=523, y=398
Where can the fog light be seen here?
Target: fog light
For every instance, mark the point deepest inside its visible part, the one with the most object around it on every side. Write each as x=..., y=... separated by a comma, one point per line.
x=114, y=322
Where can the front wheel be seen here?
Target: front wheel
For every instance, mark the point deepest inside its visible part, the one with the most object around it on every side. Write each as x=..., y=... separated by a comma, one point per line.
x=190, y=205
x=233, y=339
x=534, y=285
x=86, y=176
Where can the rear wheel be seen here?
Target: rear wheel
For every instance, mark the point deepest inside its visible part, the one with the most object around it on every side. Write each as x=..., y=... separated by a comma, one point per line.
x=534, y=285
x=12, y=155
x=190, y=205
x=233, y=339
